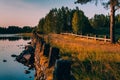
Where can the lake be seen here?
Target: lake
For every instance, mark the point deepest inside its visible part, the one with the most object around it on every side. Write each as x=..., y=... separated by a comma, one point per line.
x=11, y=69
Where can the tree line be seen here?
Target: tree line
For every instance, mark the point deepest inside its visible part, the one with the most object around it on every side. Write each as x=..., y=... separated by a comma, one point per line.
x=113, y=5
x=64, y=20
x=15, y=29
x=73, y=20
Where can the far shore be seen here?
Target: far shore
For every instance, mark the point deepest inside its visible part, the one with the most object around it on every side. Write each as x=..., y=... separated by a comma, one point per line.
x=17, y=34
x=26, y=34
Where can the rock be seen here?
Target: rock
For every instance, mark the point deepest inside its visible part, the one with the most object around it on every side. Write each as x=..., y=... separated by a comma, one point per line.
x=29, y=43
x=27, y=56
x=21, y=60
x=26, y=72
x=30, y=76
x=29, y=48
x=13, y=55
x=4, y=60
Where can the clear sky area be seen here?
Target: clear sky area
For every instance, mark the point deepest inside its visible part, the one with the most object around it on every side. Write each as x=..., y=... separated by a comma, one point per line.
x=29, y=12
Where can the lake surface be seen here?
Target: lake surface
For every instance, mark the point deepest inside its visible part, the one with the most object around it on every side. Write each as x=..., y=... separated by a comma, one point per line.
x=12, y=70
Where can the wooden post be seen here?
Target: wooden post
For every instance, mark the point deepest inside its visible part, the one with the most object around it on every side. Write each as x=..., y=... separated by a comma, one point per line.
x=87, y=36
x=105, y=40
x=62, y=70
x=95, y=37
x=53, y=55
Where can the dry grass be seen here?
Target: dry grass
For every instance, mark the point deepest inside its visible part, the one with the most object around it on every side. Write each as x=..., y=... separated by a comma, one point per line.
x=83, y=48
x=92, y=60
x=27, y=34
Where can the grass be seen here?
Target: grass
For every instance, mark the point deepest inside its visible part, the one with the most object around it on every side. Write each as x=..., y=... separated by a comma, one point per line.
x=91, y=60
x=26, y=34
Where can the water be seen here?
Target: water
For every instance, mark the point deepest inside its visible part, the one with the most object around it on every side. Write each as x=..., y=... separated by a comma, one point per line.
x=12, y=70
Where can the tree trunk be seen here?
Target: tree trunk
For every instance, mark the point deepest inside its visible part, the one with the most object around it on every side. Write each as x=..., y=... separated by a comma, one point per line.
x=112, y=23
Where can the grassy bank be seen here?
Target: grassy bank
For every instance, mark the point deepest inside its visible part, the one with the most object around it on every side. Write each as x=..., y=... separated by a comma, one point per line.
x=91, y=60
x=26, y=34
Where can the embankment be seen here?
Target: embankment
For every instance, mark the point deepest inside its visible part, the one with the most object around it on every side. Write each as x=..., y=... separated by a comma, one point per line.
x=84, y=59
x=48, y=64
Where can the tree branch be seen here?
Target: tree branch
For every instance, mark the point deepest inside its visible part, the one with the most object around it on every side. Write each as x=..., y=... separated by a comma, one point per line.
x=118, y=7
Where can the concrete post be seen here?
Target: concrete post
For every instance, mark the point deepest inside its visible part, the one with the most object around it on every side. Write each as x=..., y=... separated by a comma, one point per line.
x=53, y=55
x=62, y=70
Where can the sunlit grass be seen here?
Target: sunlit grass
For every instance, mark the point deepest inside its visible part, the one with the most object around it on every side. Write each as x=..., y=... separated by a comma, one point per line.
x=27, y=34
x=92, y=60
x=82, y=48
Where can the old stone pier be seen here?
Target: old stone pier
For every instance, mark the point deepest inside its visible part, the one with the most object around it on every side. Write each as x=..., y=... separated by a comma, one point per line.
x=48, y=64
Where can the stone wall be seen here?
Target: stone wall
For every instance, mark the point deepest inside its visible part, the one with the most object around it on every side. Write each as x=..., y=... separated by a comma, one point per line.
x=48, y=65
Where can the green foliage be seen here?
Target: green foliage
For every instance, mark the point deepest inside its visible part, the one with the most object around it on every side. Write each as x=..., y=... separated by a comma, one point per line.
x=114, y=5
x=99, y=21
x=56, y=21
x=60, y=20
x=80, y=23
x=117, y=21
x=15, y=29
x=75, y=22
x=41, y=26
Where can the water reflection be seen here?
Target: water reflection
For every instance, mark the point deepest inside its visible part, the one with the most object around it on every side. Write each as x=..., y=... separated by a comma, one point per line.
x=13, y=37
x=12, y=70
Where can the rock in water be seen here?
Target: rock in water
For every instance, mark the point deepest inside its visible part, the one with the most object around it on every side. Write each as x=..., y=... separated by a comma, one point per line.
x=30, y=76
x=13, y=55
x=4, y=60
x=26, y=72
x=27, y=56
x=29, y=43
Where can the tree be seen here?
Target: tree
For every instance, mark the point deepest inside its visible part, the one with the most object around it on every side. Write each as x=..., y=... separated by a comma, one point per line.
x=27, y=29
x=80, y=23
x=114, y=5
x=48, y=22
x=56, y=21
x=60, y=20
x=99, y=21
x=41, y=26
x=117, y=21
x=76, y=22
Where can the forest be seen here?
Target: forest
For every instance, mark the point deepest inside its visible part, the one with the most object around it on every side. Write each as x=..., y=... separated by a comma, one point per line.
x=15, y=29
x=75, y=21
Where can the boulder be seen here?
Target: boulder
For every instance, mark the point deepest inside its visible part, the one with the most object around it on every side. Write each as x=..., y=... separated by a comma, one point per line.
x=26, y=72
x=4, y=60
x=27, y=56
x=13, y=55
x=29, y=43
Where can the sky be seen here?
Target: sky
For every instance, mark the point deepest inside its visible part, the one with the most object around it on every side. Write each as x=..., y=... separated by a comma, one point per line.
x=29, y=12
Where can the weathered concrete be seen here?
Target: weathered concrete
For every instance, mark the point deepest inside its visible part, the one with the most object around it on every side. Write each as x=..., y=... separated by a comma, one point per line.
x=41, y=64
x=62, y=70
x=45, y=62
x=53, y=56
